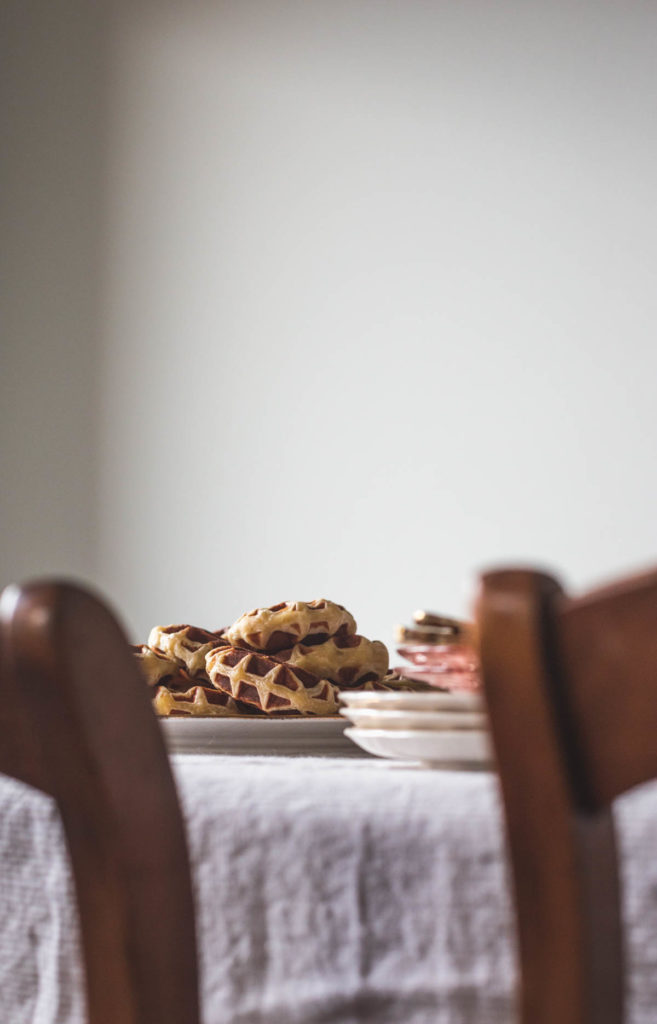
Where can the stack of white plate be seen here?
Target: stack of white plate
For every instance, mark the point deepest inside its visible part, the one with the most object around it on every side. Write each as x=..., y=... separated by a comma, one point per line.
x=446, y=729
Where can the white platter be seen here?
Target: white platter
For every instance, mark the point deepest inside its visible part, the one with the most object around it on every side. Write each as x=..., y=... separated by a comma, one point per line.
x=285, y=736
x=438, y=701
x=386, y=718
x=460, y=748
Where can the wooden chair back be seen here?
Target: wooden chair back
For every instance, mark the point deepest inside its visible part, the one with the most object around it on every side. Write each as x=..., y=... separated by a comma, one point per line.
x=76, y=722
x=571, y=687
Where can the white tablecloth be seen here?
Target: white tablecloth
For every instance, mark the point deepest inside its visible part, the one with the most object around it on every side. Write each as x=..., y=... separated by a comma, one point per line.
x=328, y=892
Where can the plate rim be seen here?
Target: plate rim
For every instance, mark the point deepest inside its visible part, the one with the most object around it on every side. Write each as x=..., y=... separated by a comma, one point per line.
x=441, y=719
x=254, y=736
x=450, y=701
x=250, y=719
x=414, y=733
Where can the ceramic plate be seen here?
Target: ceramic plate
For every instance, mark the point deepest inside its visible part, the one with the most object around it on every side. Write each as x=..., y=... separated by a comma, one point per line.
x=384, y=718
x=292, y=736
x=443, y=748
x=406, y=701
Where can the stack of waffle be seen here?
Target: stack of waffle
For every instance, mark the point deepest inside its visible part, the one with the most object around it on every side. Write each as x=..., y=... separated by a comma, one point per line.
x=292, y=658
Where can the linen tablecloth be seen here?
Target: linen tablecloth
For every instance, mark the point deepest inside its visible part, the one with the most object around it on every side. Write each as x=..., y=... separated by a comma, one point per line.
x=328, y=892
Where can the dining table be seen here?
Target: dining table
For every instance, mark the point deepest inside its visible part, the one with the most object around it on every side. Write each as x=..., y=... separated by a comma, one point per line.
x=328, y=890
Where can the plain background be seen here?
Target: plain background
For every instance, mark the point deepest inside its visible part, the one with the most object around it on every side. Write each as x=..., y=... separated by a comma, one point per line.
x=330, y=298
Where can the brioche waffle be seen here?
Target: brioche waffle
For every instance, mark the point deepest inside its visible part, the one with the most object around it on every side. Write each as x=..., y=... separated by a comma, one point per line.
x=270, y=685
x=283, y=625
x=157, y=669
x=393, y=681
x=199, y=701
x=347, y=659
x=188, y=645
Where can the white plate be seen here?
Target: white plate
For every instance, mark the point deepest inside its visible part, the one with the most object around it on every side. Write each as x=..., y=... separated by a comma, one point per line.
x=291, y=736
x=384, y=718
x=464, y=748
x=406, y=701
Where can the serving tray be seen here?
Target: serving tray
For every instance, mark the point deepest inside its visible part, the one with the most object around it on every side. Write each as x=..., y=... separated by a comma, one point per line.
x=313, y=737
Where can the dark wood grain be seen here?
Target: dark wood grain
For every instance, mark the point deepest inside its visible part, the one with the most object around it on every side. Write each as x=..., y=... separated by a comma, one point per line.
x=570, y=686
x=76, y=722
x=608, y=646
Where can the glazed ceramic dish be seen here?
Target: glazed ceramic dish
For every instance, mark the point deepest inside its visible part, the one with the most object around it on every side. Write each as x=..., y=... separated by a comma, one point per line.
x=384, y=718
x=409, y=701
x=440, y=748
x=252, y=735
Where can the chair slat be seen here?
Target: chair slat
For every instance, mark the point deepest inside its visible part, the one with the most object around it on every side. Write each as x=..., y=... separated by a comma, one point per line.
x=563, y=851
x=103, y=759
x=608, y=650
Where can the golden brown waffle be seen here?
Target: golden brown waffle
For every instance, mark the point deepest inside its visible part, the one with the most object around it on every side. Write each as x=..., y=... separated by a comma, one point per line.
x=188, y=645
x=157, y=669
x=393, y=681
x=283, y=625
x=200, y=701
x=269, y=684
x=347, y=659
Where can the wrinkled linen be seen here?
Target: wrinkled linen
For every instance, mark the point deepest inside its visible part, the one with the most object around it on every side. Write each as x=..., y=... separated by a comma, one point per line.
x=328, y=892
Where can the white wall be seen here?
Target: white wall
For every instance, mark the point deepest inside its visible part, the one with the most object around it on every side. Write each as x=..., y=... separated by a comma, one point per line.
x=378, y=301
x=50, y=165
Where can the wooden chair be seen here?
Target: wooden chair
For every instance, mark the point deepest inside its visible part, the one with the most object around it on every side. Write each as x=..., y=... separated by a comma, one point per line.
x=76, y=722
x=571, y=687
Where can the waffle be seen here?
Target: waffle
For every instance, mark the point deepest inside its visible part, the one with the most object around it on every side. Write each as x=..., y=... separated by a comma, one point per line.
x=270, y=685
x=157, y=669
x=393, y=681
x=283, y=625
x=348, y=660
x=200, y=701
x=188, y=645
